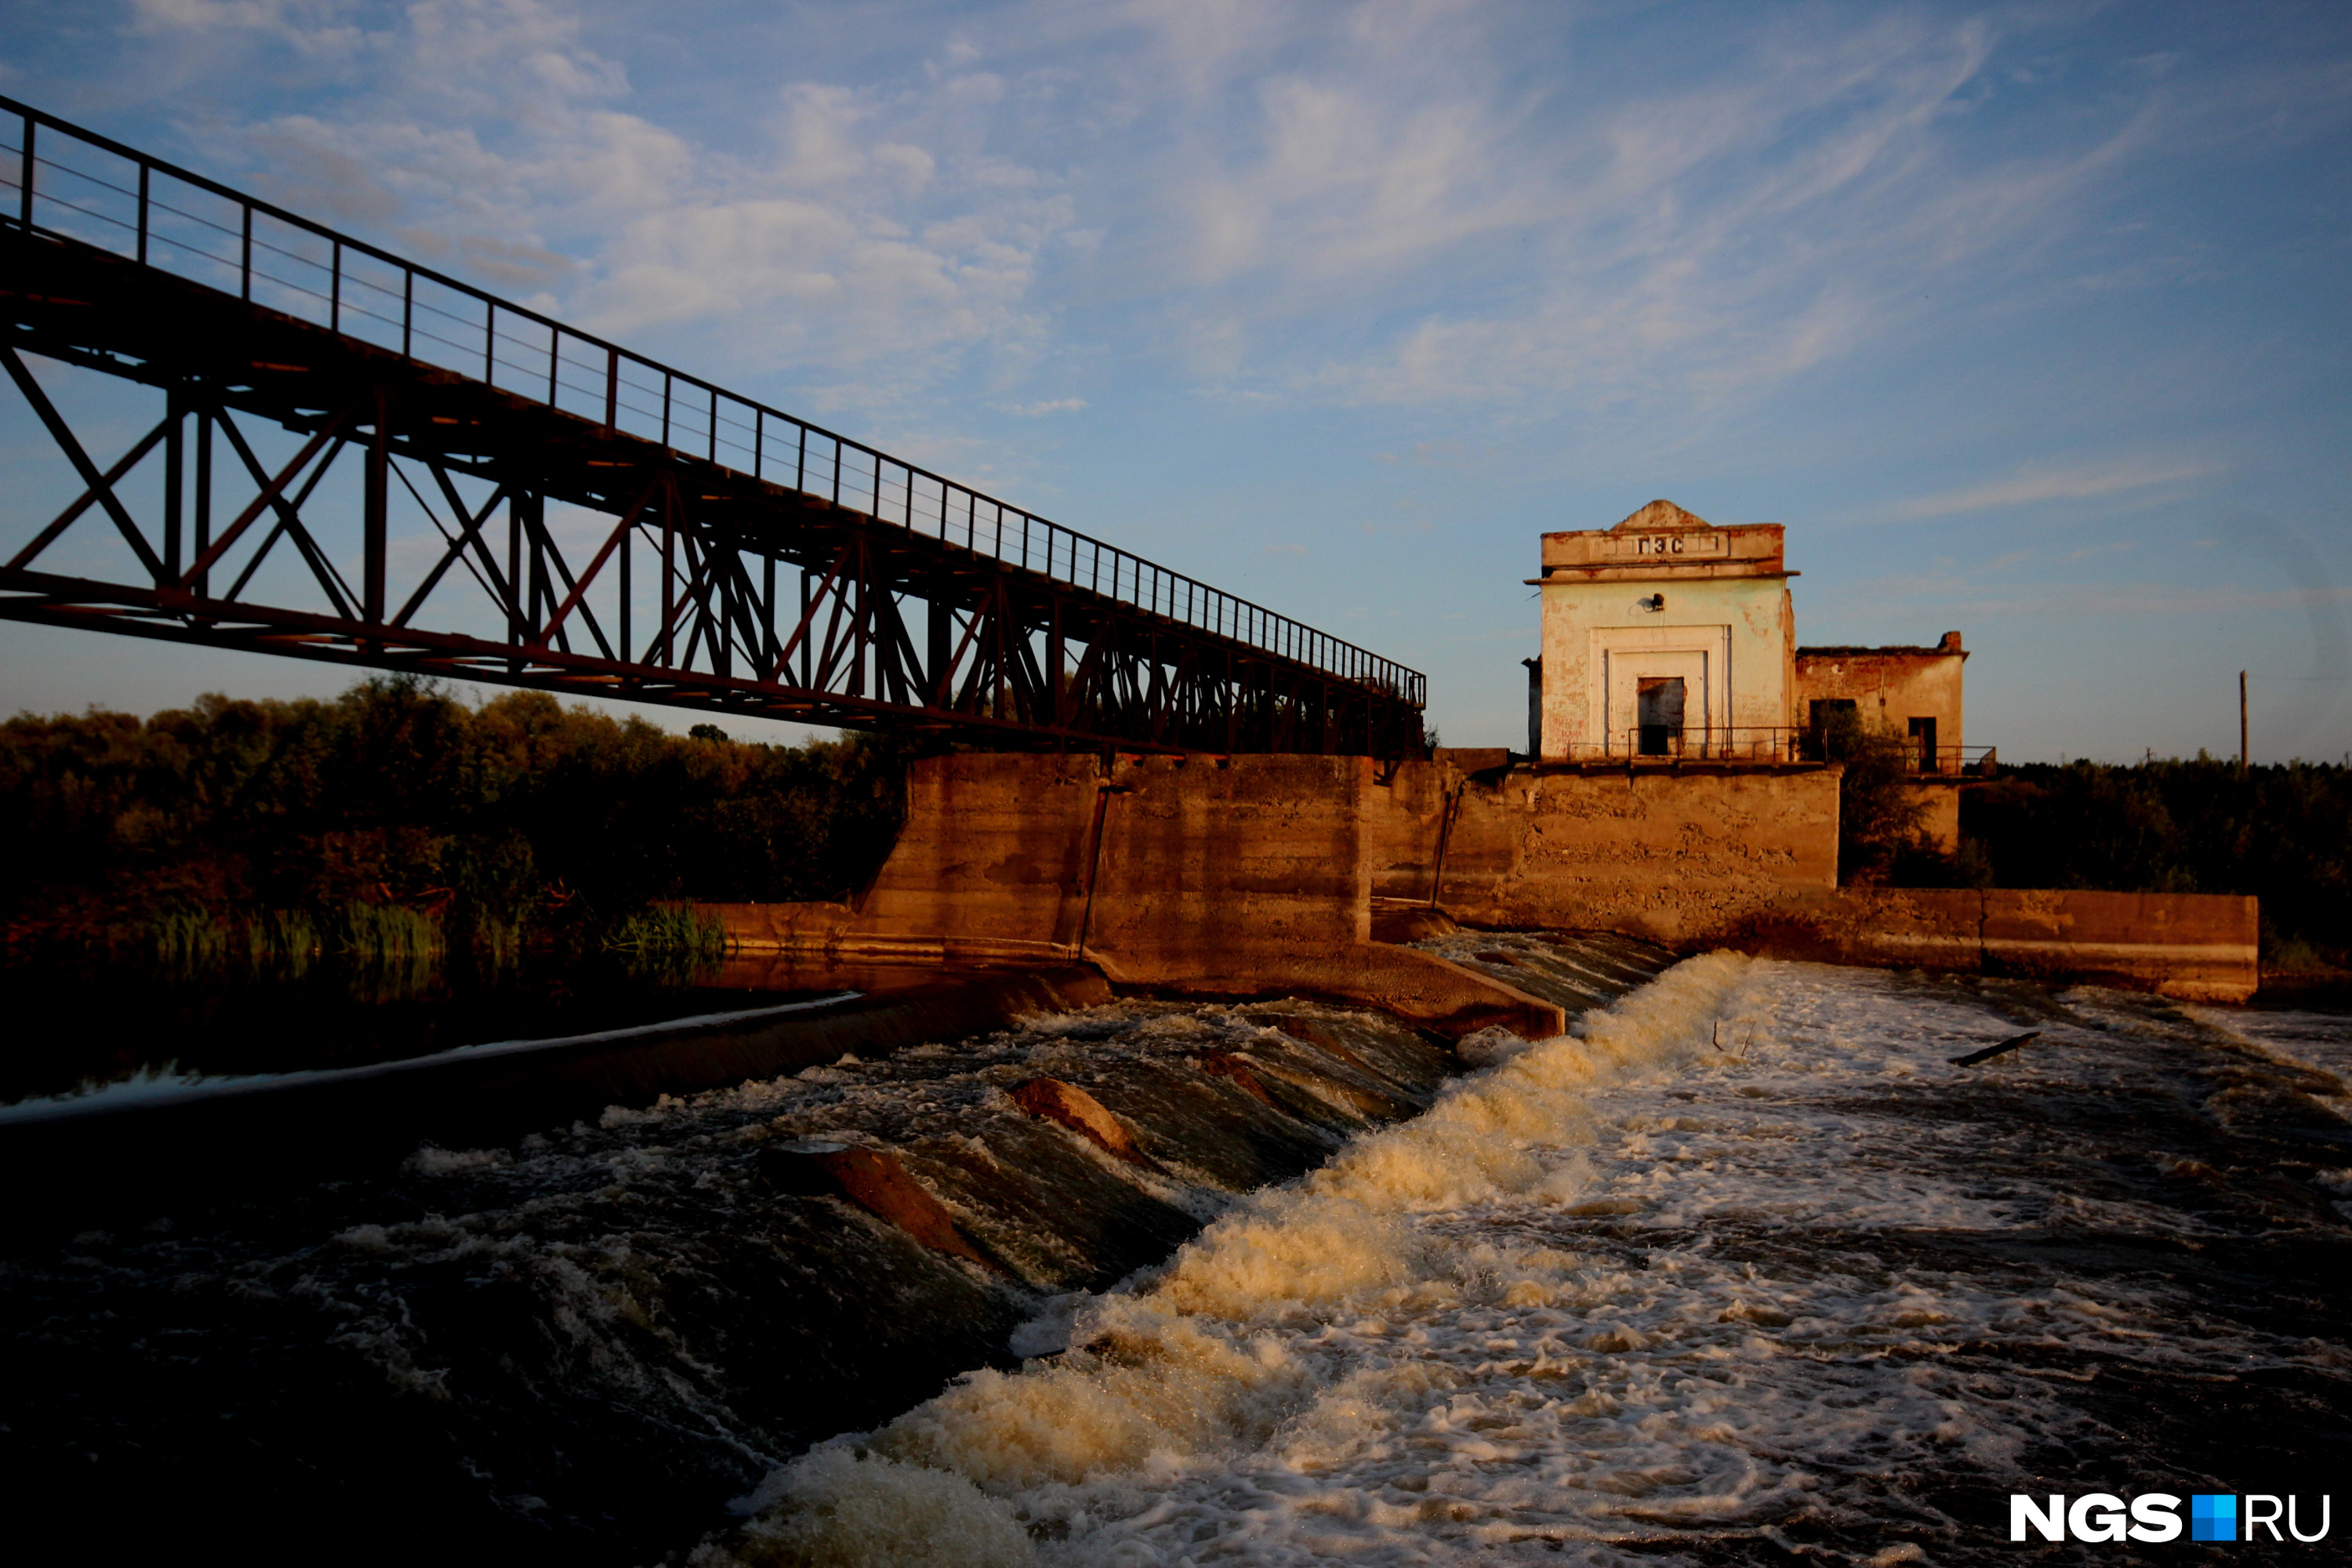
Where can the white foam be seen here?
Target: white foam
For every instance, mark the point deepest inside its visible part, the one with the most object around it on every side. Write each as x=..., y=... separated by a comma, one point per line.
x=1427, y=1351
x=841, y=1510
x=169, y=1084
x=2317, y=1040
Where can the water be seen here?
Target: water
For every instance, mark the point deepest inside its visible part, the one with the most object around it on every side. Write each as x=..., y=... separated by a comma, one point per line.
x=1746, y=1265
x=581, y=1346
x=84, y=1028
x=1747, y=1268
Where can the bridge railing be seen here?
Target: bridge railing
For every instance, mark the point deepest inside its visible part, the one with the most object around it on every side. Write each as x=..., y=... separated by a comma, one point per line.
x=59, y=179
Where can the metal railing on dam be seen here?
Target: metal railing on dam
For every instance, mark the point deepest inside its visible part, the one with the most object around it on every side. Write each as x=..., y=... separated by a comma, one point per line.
x=461, y=405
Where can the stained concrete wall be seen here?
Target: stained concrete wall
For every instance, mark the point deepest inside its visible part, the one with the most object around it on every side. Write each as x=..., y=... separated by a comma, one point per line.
x=1239, y=876
x=2200, y=947
x=1747, y=857
x=1889, y=686
x=1256, y=876
x=1665, y=853
x=1155, y=855
x=1939, y=819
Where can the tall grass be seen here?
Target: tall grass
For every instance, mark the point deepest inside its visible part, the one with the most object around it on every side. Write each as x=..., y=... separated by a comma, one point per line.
x=291, y=939
x=190, y=939
x=383, y=933
x=671, y=929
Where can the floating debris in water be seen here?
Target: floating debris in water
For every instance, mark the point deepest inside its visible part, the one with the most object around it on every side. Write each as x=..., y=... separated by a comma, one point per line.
x=1986, y=1055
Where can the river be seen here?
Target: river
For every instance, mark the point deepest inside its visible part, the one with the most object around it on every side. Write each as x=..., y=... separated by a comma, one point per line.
x=1749, y=1268
x=1744, y=1266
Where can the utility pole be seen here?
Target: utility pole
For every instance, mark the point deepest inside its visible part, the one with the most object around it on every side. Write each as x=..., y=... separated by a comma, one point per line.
x=2241, y=724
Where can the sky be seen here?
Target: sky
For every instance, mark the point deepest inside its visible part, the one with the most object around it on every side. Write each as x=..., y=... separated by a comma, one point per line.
x=2025, y=319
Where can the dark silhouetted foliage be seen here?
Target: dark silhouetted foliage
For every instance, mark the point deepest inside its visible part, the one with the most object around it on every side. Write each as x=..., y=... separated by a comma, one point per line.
x=515, y=819
x=2283, y=833
x=1878, y=816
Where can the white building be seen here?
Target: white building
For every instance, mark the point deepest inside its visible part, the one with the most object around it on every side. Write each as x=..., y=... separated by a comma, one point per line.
x=1664, y=634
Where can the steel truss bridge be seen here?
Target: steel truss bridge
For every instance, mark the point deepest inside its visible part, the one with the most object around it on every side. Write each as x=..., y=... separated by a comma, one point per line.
x=364, y=461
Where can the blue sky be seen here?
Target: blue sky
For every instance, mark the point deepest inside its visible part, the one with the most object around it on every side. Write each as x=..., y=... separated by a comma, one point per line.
x=2026, y=320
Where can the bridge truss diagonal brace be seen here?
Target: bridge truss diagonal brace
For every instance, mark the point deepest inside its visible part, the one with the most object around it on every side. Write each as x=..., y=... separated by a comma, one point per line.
x=697, y=585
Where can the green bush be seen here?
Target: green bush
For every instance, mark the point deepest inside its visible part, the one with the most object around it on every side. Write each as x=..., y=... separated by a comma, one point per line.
x=395, y=817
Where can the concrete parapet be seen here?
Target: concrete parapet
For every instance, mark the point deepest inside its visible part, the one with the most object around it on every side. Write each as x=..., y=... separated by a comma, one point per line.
x=2199, y=947
x=1256, y=876
x=2196, y=946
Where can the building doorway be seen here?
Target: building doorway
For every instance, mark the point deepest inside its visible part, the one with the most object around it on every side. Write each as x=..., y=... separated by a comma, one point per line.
x=1658, y=702
x=1923, y=744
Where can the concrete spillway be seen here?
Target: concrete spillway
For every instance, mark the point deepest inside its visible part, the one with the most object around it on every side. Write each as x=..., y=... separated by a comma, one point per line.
x=583, y=1335
x=1749, y=1269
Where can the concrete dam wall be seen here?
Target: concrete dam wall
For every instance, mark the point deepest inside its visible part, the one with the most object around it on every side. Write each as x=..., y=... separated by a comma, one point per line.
x=1243, y=876
x=1256, y=876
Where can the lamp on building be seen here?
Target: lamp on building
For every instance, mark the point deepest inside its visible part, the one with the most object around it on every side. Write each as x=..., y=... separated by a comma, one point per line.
x=1654, y=603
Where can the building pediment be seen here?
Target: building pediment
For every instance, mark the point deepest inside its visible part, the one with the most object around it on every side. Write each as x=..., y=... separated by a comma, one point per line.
x=1661, y=540
x=1661, y=517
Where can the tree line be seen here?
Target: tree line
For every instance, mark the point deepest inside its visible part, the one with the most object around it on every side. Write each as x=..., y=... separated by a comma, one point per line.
x=397, y=814
x=2281, y=832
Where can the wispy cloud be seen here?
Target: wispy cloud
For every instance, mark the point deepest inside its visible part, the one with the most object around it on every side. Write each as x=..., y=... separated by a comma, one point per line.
x=2080, y=482
x=1389, y=202
x=865, y=238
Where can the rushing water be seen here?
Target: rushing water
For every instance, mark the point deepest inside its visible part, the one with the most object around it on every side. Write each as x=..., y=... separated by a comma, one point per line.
x=580, y=1345
x=1747, y=1267
x=1742, y=1268
x=161, y=1028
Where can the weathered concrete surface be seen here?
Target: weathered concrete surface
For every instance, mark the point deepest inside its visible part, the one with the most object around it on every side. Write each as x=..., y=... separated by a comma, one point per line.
x=1652, y=852
x=876, y=1181
x=1235, y=878
x=1746, y=857
x=1256, y=876
x=2199, y=947
x=2196, y=946
x=1889, y=687
x=1051, y=1100
x=1940, y=819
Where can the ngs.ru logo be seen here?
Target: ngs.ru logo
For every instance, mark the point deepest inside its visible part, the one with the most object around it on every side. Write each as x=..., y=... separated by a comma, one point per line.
x=2156, y=1516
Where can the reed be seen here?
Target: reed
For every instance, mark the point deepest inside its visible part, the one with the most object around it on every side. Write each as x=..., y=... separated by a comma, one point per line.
x=495, y=943
x=369, y=932
x=671, y=928
x=189, y=938
x=383, y=933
